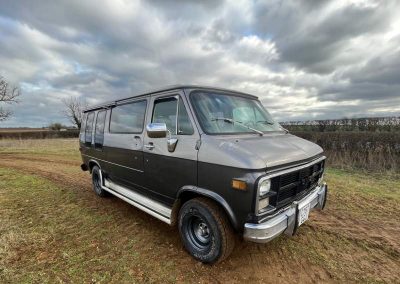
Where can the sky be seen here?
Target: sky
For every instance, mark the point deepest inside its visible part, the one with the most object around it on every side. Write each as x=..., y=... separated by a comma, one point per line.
x=307, y=59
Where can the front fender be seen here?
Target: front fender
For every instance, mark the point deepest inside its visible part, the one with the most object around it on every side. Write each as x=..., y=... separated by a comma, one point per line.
x=214, y=196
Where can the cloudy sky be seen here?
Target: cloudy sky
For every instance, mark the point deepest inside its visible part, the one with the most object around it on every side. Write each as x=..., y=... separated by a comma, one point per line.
x=304, y=59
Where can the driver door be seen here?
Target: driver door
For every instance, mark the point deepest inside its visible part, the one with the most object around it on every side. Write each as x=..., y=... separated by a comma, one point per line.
x=167, y=169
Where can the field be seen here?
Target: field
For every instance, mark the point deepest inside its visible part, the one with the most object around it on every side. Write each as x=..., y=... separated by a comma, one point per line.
x=53, y=228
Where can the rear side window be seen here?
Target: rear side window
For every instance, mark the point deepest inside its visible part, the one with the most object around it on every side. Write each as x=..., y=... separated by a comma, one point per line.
x=128, y=118
x=99, y=128
x=82, y=129
x=89, y=128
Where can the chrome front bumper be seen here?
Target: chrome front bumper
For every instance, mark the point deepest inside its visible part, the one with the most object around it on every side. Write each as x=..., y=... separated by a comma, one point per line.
x=286, y=221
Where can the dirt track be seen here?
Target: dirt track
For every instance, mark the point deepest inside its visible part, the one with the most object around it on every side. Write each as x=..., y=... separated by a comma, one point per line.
x=332, y=246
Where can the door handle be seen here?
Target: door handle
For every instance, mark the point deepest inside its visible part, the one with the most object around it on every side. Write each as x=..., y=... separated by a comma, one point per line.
x=149, y=146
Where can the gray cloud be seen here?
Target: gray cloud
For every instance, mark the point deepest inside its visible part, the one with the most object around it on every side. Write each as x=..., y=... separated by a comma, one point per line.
x=305, y=59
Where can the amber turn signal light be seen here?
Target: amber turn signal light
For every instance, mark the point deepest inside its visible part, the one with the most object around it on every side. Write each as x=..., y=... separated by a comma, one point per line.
x=239, y=184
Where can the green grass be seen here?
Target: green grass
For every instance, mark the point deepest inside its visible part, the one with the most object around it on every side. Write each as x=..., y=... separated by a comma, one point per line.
x=65, y=148
x=48, y=235
x=364, y=195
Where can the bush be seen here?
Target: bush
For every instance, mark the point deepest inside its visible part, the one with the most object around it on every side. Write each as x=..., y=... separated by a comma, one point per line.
x=39, y=134
x=367, y=150
x=55, y=126
x=374, y=124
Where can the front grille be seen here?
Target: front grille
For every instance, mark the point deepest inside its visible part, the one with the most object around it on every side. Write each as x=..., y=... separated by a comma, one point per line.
x=294, y=185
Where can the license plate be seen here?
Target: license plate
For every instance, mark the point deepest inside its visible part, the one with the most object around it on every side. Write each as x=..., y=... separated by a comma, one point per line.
x=303, y=214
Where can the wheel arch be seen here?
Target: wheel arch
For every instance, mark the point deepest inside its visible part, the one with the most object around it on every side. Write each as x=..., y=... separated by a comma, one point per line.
x=93, y=163
x=189, y=192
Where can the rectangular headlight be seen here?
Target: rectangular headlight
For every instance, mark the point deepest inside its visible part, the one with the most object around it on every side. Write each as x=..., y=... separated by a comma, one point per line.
x=264, y=186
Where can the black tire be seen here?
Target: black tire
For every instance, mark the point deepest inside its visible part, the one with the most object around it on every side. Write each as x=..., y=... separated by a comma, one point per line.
x=205, y=230
x=96, y=181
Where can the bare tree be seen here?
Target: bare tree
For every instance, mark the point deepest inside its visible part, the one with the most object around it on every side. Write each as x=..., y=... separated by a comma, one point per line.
x=73, y=110
x=8, y=95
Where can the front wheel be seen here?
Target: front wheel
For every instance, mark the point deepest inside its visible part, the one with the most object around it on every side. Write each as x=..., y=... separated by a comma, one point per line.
x=205, y=230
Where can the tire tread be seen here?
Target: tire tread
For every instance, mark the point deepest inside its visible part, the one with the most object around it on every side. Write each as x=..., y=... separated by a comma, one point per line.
x=227, y=234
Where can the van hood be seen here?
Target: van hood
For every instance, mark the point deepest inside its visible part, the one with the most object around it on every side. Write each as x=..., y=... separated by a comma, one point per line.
x=256, y=152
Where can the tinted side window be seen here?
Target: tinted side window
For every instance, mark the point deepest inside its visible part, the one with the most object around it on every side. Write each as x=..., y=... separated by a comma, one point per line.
x=165, y=112
x=99, y=128
x=82, y=129
x=184, y=125
x=89, y=128
x=128, y=118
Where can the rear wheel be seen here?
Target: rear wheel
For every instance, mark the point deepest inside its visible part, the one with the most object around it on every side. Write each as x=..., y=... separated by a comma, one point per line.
x=205, y=230
x=97, y=182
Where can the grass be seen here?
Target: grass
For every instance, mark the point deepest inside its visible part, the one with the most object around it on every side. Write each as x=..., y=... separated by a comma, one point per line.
x=54, y=229
x=43, y=226
x=65, y=148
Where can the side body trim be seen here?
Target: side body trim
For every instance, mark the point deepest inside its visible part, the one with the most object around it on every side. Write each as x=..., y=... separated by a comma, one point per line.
x=112, y=163
x=141, y=202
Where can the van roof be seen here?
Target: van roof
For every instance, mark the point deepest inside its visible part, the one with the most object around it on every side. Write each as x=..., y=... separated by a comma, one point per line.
x=167, y=88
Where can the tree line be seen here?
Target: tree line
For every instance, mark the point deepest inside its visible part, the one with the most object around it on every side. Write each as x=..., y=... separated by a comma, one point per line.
x=373, y=124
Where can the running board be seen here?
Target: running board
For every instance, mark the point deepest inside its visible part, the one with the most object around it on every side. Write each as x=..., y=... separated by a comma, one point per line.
x=154, y=208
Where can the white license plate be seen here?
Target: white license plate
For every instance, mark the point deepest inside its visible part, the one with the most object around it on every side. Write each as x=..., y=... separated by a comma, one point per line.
x=303, y=214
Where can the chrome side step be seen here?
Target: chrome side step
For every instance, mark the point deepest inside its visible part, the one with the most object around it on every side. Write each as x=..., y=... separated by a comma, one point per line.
x=154, y=208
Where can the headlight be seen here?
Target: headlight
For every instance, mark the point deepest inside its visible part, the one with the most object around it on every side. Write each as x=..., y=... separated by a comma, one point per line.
x=264, y=187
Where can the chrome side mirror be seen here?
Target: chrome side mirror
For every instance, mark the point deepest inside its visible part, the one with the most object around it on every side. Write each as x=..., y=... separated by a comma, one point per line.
x=157, y=130
x=160, y=130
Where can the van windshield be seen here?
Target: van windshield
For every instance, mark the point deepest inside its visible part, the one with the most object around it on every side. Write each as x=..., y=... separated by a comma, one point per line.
x=221, y=113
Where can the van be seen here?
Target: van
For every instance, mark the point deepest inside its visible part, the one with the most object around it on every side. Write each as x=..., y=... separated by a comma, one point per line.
x=210, y=161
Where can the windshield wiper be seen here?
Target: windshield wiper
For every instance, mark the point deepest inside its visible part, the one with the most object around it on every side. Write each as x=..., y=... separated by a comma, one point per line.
x=232, y=121
x=265, y=122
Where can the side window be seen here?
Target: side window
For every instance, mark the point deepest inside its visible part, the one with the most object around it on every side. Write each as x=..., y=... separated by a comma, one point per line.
x=128, y=118
x=99, y=129
x=82, y=129
x=165, y=110
x=184, y=125
x=89, y=128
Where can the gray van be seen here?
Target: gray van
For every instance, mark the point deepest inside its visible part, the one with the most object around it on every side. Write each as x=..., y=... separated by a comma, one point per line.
x=210, y=161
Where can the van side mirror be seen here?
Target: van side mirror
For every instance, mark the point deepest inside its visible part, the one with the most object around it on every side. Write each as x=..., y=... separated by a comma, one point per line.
x=157, y=130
